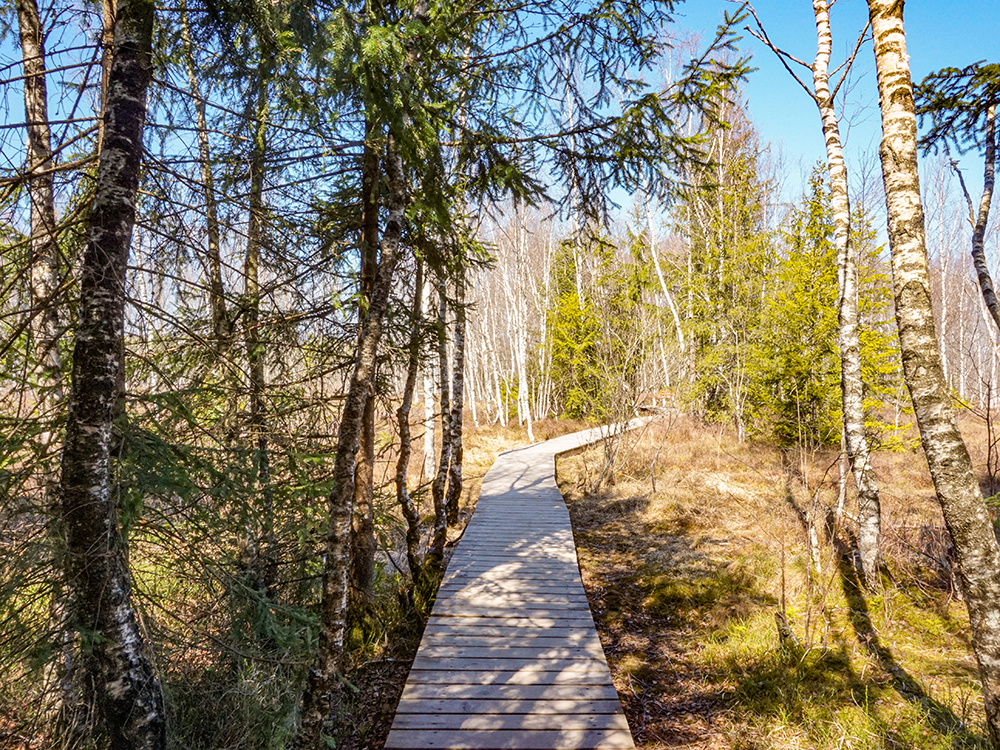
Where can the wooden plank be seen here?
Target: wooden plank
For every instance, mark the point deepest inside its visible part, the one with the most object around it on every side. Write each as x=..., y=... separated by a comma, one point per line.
x=510, y=657
x=511, y=582
x=549, y=598
x=501, y=524
x=512, y=692
x=517, y=557
x=513, y=739
x=460, y=664
x=568, y=591
x=511, y=621
x=527, y=530
x=540, y=537
x=532, y=520
x=540, y=554
x=512, y=587
x=511, y=565
x=453, y=604
x=587, y=673
x=494, y=722
x=487, y=572
x=510, y=651
x=515, y=581
x=583, y=640
x=524, y=587
x=451, y=627
x=563, y=706
x=455, y=609
x=520, y=555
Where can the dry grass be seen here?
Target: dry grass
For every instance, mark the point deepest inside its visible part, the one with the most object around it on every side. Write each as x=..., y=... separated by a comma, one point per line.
x=701, y=541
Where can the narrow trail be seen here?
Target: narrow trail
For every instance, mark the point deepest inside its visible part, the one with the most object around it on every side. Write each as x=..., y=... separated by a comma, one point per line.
x=510, y=657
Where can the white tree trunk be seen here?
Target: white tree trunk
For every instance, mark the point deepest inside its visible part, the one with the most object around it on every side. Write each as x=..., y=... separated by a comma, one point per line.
x=955, y=482
x=852, y=387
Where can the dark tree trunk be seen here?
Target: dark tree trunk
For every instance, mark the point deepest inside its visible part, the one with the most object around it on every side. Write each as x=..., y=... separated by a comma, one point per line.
x=115, y=667
x=965, y=512
x=406, y=504
x=320, y=697
x=435, y=555
x=221, y=324
x=363, y=533
x=261, y=545
x=457, y=405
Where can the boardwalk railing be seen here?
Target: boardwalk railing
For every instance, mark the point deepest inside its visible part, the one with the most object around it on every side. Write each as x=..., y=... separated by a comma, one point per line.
x=510, y=657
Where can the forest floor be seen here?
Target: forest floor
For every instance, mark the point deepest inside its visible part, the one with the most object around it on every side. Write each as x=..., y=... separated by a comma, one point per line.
x=701, y=542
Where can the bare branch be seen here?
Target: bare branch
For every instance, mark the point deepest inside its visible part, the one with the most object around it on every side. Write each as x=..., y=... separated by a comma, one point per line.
x=965, y=190
x=783, y=56
x=849, y=62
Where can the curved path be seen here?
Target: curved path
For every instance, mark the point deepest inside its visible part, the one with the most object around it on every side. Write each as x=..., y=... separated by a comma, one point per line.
x=510, y=657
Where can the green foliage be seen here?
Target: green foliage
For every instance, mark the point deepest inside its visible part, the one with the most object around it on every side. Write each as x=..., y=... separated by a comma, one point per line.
x=881, y=366
x=763, y=317
x=732, y=255
x=596, y=326
x=957, y=102
x=574, y=328
x=803, y=373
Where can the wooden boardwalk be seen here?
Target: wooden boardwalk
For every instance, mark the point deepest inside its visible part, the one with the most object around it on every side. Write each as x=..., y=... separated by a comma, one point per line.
x=510, y=657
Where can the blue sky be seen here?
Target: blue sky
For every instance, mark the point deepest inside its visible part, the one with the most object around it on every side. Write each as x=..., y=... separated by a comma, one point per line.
x=939, y=34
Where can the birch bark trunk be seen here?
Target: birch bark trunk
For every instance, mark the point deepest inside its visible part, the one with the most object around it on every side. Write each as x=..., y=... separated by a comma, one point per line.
x=945, y=253
x=651, y=229
x=115, y=666
x=852, y=387
x=429, y=402
x=470, y=378
x=435, y=555
x=965, y=513
x=979, y=219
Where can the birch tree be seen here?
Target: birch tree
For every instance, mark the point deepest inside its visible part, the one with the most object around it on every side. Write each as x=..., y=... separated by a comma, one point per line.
x=116, y=670
x=852, y=387
x=965, y=512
